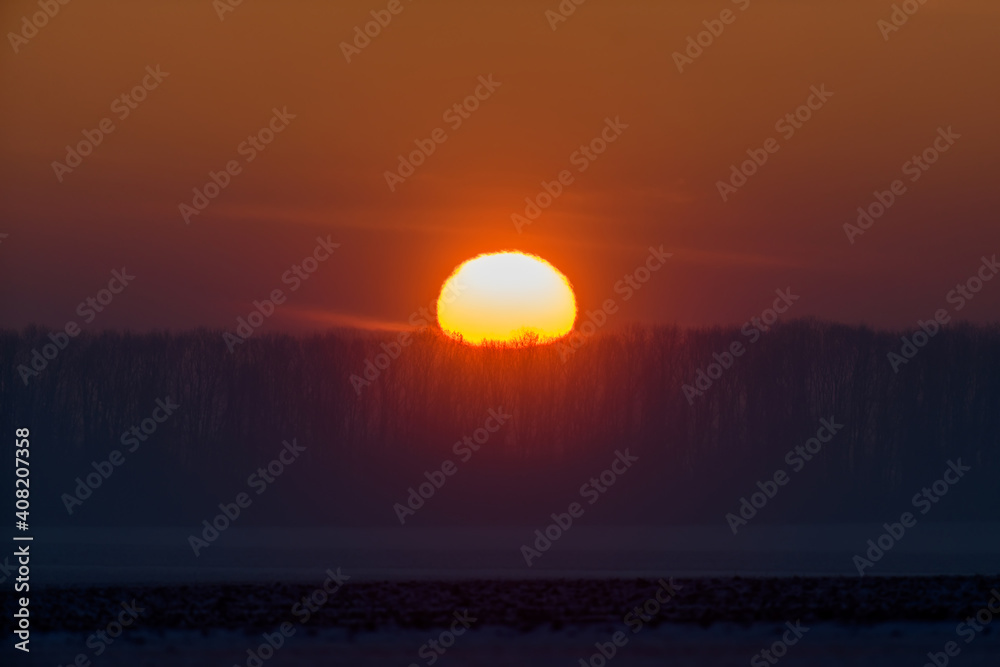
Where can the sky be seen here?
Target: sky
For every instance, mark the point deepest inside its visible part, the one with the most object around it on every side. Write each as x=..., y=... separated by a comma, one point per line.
x=675, y=118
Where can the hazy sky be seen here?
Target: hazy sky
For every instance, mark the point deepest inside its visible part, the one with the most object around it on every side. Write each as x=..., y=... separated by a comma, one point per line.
x=656, y=183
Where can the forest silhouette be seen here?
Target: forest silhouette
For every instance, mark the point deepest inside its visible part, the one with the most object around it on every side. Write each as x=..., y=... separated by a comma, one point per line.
x=368, y=442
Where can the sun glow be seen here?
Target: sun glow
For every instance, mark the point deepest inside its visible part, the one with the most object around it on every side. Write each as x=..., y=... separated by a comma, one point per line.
x=506, y=297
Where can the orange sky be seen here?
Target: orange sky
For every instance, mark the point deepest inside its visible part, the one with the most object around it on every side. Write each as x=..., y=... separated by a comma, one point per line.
x=656, y=183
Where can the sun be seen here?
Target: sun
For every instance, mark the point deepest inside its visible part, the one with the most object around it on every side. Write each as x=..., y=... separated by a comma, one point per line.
x=506, y=297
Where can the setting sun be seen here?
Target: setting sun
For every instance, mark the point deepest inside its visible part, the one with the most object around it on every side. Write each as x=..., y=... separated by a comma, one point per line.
x=506, y=297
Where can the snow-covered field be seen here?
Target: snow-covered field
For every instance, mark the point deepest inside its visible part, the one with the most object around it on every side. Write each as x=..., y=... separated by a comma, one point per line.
x=722, y=645
x=401, y=589
x=883, y=621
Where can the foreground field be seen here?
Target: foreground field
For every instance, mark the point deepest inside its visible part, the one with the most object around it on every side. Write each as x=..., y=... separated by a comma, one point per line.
x=719, y=621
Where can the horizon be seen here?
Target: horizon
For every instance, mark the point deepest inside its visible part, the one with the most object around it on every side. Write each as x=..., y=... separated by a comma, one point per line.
x=613, y=327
